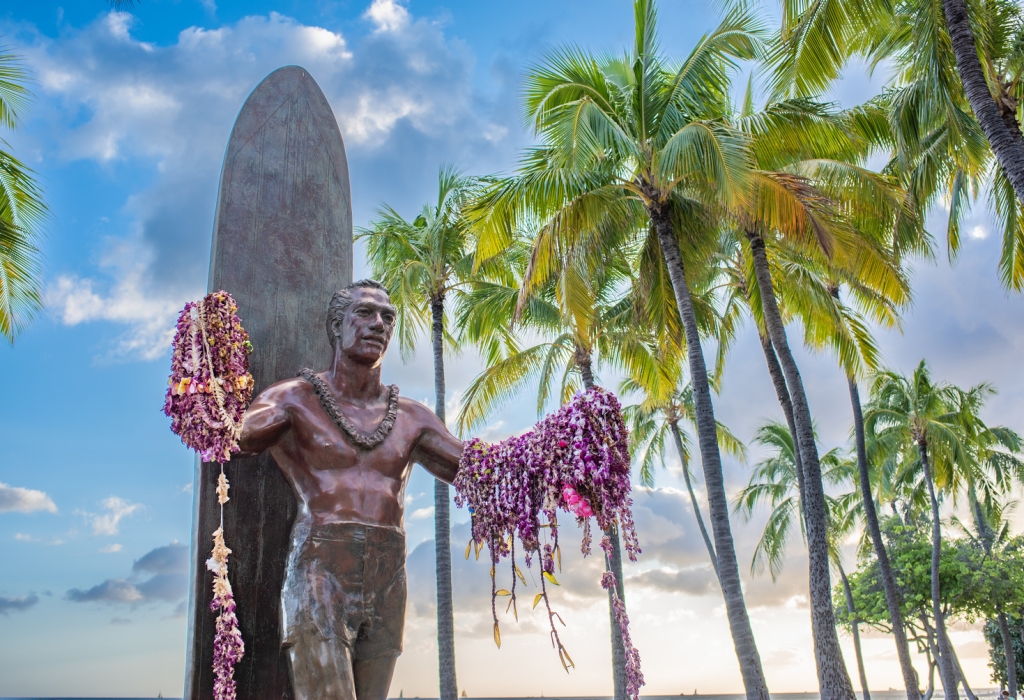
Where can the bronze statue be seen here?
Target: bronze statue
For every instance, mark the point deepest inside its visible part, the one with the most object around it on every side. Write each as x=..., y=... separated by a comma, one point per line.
x=346, y=444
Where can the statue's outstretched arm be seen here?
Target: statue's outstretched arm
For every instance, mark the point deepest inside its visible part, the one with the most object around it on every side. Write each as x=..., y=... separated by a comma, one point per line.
x=266, y=421
x=438, y=451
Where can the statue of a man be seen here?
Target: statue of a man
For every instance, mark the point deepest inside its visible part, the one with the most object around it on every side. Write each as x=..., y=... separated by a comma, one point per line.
x=347, y=443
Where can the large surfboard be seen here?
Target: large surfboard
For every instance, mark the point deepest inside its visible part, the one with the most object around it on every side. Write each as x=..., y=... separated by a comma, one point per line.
x=282, y=245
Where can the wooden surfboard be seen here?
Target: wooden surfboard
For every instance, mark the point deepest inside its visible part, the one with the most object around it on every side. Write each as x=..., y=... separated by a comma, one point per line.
x=282, y=245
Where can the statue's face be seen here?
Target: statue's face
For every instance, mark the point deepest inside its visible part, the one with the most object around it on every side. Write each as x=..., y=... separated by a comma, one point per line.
x=365, y=330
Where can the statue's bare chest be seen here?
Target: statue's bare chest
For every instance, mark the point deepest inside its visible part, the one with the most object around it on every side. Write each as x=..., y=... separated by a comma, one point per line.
x=324, y=445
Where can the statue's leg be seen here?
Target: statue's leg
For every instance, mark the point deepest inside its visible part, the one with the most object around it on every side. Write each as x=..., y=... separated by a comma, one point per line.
x=322, y=669
x=373, y=677
x=320, y=603
x=379, y=640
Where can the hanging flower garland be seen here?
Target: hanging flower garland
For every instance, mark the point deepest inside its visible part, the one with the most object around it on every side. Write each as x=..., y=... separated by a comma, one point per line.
x=210, y=386
x=576, y=460
x=208, y=391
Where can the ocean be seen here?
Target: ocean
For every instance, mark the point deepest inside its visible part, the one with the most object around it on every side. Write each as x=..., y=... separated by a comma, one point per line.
x=891, y=694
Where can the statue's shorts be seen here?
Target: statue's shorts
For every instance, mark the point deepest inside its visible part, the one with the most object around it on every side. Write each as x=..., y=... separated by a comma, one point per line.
x=346, y=584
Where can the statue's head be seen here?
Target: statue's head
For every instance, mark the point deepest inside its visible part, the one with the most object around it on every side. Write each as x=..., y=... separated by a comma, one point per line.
x=360, y=320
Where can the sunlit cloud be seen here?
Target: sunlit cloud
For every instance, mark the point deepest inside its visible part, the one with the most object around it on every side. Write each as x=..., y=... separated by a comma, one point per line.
x=387, y=15
x=15, y=499
x=108, y=523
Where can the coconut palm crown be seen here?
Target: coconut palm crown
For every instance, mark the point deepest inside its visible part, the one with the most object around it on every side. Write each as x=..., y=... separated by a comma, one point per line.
x=22, y=211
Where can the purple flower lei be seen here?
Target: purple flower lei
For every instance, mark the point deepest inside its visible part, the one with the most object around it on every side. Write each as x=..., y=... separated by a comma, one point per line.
x=576, y=460
x=208, y=391
x=210, y=386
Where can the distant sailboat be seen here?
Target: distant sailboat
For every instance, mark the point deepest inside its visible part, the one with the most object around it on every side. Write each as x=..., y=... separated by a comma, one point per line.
x=464, y=693
x=400, y=693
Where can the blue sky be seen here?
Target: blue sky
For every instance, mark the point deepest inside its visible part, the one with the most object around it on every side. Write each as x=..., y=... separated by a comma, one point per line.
x=127, y=132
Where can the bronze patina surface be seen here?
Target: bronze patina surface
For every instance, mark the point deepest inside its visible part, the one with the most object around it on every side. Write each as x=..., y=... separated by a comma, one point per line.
x=345, y=593
x=282, y=246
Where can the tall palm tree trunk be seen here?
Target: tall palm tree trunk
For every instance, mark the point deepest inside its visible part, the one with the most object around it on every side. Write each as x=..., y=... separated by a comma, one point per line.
x=833, y=679
x=892, y=594
x=1011, y=659
x=856, y=634
x=961, y=675
x=711, y=460
x=693, y=498
x=612, y=563
x=779, y=382
x=947, y=671
x=1002, y=132
x=442, y=527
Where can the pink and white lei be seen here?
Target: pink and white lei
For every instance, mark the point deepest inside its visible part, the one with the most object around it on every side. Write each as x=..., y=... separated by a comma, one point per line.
x=208, y=391
x=576, y=460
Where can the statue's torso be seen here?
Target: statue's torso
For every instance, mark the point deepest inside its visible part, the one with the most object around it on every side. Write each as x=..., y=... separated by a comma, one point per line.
x=334, y=480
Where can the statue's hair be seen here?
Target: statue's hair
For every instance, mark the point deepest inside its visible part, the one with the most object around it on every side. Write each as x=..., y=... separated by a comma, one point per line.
x=342, y=299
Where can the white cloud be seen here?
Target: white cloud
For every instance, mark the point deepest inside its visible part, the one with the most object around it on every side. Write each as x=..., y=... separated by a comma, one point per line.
x=114, y=99
x=387, y=15
x=978, y=233
x=693, y=581
x=111, y=549
x=150, y=318
x=14, y=499
x=422, y=513
x=108, y=523
x=374, y=115
x=495, y=132
x=22, y=537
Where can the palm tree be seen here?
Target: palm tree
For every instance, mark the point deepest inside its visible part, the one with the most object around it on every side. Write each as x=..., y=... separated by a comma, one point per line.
x=585, y=317
x=774, y=483
x=664, y=404
x=892, y=595
x=940, y=74
x=997, y=119
x=809, y=194
x=632, y=144
x=812, y=292
x=915, y=419
x=424, y=264
x=22, y=211
x=995, y=467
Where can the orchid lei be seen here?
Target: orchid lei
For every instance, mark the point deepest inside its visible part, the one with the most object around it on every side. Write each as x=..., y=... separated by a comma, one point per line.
x=210, y=386
x=208, y=391
x=576, y=460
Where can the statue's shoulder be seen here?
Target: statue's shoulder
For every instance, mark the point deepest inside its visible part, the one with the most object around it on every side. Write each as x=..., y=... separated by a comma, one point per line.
x=286, y=392
x=416, y=411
